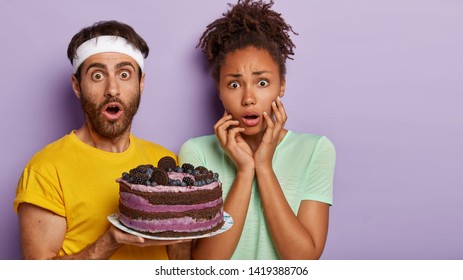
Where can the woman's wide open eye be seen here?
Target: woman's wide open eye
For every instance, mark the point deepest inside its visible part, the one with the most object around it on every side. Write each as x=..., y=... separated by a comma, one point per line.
x=234, y=85
x=263, y=83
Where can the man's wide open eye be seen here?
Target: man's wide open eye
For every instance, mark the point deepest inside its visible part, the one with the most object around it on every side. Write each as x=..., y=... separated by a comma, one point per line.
x=125, y=75
x=97, y=76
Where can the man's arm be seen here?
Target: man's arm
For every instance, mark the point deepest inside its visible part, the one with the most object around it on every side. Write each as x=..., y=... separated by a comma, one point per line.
x=42, y=235
x=41, y=232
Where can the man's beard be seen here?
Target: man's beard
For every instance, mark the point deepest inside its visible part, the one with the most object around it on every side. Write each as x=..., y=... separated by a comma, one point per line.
x=110, y=128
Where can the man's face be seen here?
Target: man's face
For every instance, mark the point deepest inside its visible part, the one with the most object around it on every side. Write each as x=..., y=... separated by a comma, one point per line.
x=109, y=92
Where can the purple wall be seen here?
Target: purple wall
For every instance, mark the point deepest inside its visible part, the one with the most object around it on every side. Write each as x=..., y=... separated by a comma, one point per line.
x=382, y=79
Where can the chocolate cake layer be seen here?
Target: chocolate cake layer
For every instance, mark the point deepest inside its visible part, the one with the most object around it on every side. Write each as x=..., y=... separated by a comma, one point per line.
x=174, y=198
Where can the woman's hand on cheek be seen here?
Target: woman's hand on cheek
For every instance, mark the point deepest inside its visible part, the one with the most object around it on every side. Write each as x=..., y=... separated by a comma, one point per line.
x=280, y=116
x=228, y=134
x=264, y=153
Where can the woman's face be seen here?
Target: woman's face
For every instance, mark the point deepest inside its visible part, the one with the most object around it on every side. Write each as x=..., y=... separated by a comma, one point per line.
x=249, y=82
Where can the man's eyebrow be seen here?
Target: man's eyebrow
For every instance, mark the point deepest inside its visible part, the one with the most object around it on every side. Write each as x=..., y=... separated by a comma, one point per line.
x=125, y=63
x=96, y=65
x=103, y=66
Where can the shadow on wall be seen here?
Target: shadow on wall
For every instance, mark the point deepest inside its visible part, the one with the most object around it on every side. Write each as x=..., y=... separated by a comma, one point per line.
x=70, y=113
x=209, y=97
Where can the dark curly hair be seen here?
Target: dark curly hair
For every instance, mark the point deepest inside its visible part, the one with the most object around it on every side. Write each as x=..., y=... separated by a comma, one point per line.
x=248, y=23
x=101, y=28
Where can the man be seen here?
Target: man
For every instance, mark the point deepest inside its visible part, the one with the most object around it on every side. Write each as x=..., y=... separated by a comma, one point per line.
x=68, y=189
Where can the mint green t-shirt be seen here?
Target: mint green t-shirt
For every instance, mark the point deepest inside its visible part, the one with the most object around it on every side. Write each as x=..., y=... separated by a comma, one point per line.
x=304, y=165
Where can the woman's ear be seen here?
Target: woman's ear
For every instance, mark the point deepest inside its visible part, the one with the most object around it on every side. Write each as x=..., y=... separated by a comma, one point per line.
x=282, y=88
x=75, y=86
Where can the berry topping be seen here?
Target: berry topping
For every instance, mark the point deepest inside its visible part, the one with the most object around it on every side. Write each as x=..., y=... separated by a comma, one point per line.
x=125, y=176
x=205, y=176
x=147, y=174
x=175, y=182
x=138, y=179
x=141, y=169
x=188, y=181
x=202, y=169
x=187, y=166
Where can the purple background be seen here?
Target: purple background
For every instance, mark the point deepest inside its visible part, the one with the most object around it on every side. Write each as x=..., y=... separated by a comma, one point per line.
x=382, y=79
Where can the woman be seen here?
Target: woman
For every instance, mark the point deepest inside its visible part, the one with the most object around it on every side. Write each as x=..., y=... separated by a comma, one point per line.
x=277, y=183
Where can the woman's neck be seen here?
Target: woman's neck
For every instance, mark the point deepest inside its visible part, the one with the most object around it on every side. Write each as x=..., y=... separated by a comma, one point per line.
x=254, y=141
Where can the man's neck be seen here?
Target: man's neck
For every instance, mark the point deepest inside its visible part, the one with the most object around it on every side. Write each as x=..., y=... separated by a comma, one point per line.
x=113, y=145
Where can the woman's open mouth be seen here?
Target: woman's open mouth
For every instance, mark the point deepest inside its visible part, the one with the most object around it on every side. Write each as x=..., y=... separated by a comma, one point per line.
x=250, y=119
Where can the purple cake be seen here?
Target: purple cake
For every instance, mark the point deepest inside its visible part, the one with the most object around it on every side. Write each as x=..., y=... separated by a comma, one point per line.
x=171, y=201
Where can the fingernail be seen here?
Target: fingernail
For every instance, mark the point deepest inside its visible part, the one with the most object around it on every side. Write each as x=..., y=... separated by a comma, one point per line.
x=265, y=113
x=278, y=98
x=274, y=104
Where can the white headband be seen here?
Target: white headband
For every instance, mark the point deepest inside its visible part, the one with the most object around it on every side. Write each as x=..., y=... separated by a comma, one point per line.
x=104, y=44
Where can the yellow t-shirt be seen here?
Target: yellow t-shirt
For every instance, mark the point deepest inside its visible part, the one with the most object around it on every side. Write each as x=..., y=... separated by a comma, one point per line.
x=77, y=181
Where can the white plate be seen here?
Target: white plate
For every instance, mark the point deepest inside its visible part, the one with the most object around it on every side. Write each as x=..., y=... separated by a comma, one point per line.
x=228, y=222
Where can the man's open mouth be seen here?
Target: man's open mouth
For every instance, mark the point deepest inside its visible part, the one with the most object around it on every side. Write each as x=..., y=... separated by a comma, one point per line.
x=113, y=109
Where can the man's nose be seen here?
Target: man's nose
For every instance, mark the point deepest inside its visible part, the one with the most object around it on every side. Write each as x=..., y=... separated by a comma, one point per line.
x=112, y=88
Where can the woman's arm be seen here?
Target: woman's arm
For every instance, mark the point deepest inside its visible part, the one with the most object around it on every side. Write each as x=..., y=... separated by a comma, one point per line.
x=223, y=246
x=295, y=237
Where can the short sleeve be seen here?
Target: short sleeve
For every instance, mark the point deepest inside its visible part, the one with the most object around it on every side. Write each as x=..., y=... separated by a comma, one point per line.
x=40, y=190
x=189, y=153
x=321, y=172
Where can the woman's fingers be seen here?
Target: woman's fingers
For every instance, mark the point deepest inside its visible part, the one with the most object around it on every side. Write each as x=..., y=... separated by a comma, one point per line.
x=233, y=134
x=280, y=113
x=222, y=127
x=269, y=131
x=222, y=120
x=274, y=126
x=268, y=120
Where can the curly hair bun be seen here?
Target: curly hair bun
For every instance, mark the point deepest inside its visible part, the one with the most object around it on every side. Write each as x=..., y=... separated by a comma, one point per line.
x=248, y=23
